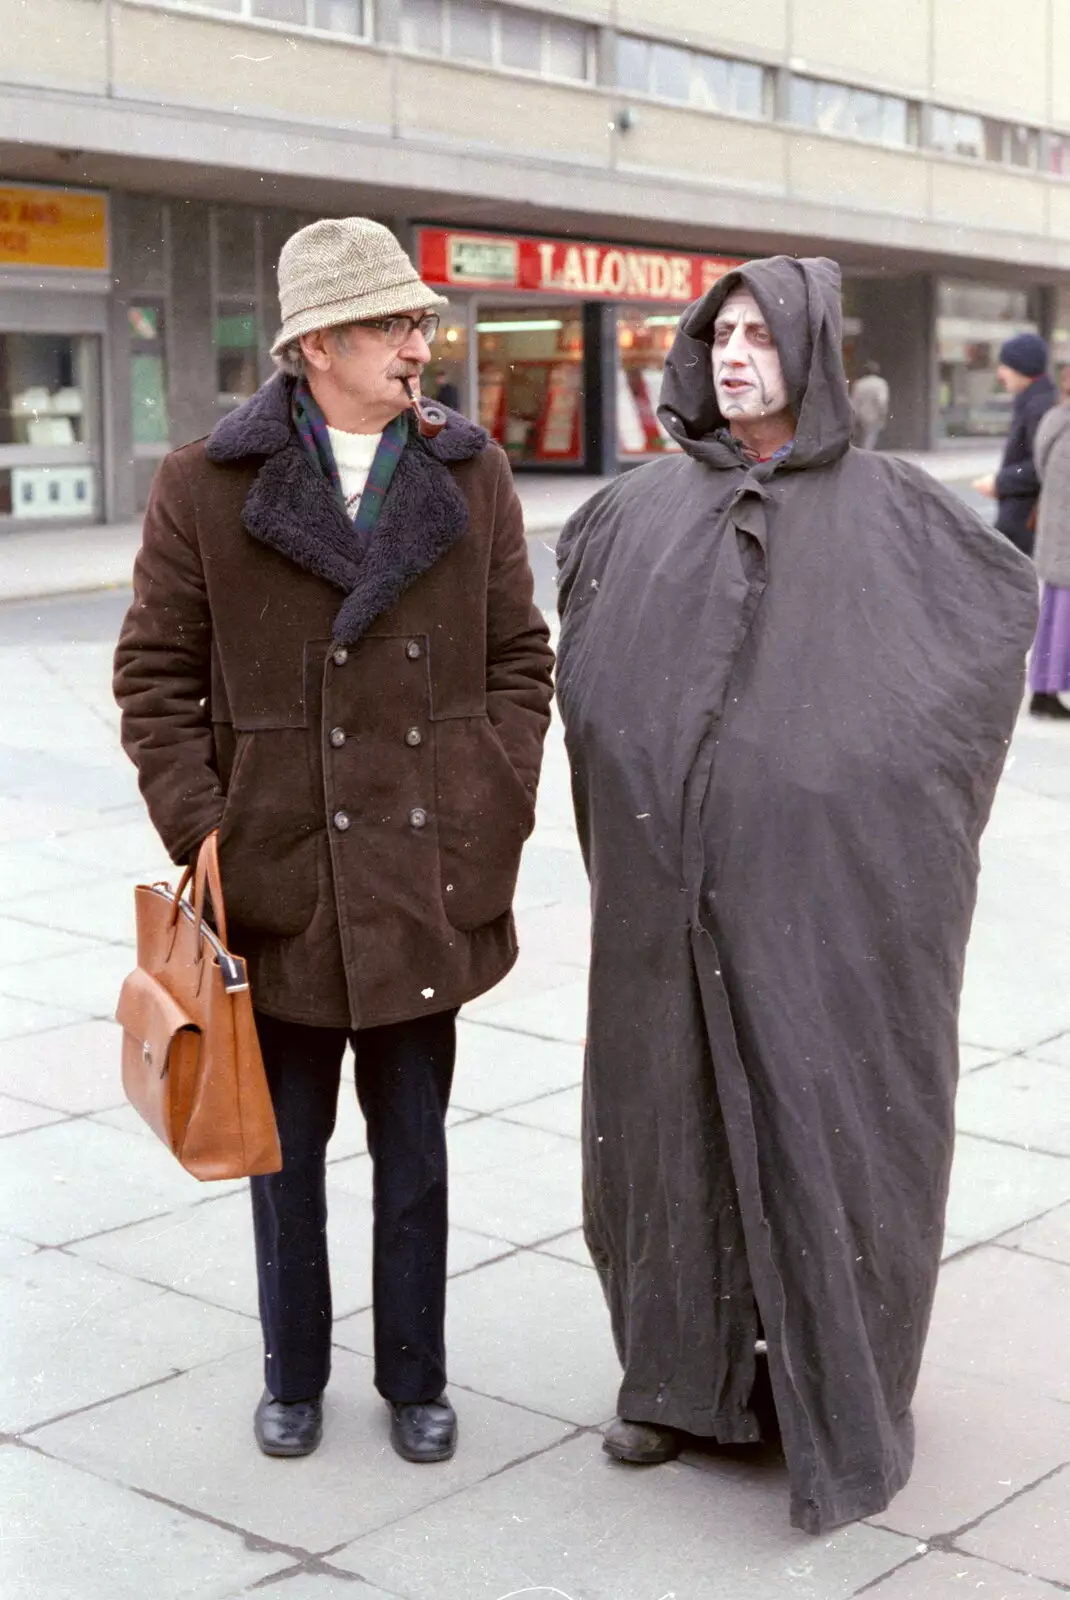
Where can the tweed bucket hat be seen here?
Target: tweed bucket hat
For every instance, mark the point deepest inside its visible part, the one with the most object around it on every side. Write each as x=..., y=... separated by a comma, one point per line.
x=345, y=269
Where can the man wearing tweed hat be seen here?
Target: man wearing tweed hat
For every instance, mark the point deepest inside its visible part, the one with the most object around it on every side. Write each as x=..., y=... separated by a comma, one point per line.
x=333, y=658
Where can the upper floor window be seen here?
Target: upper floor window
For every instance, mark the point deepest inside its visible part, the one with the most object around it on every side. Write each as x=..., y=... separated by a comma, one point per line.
x=961, y=133
x=1055, y=157
x=348, y=17
x=520, y=41
x=691, y=77
x=855, y=113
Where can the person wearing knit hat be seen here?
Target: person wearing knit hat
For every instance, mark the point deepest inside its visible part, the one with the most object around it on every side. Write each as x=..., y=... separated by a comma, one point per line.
x=333, y=660
x=1023, y=372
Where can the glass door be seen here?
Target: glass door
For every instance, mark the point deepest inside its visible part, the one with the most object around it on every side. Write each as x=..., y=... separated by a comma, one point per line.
x=49, y=428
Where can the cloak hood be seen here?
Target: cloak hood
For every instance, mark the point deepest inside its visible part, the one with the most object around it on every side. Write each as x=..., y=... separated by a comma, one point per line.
x=800, y=300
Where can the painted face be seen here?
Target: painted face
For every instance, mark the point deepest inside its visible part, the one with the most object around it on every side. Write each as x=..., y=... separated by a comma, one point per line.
x=747, y=374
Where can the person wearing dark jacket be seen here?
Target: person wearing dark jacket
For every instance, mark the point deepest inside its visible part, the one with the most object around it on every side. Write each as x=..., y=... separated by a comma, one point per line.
x=333, y=658
x=1023, y=372
x=788, y=674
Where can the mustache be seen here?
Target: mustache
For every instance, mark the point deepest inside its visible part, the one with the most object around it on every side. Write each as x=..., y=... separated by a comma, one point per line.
x=405, y=369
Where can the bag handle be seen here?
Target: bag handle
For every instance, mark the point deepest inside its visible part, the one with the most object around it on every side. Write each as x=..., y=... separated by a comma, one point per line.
x=206, y=875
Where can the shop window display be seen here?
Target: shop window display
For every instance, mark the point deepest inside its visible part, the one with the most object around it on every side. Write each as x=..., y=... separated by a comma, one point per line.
x=643, y=341
x=531, y=383
x=48, y=406
x=973, y=320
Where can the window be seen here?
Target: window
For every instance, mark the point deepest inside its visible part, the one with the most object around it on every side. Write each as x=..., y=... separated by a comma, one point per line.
x=960, y=133
x=690, y=77
x=1056, y=155
x=521, y=41
x=853, y=113
x=148, y=372
x=346, y=17
x=234, y=245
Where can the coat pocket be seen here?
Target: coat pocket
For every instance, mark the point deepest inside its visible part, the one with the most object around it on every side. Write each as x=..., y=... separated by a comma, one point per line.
x=267, y=836
x=484, y=815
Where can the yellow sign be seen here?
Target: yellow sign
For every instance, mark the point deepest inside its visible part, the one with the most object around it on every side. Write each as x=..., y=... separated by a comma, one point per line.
x=53, y=228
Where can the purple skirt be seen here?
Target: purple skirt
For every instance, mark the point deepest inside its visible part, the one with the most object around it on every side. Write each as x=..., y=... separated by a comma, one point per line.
x=1049, y=665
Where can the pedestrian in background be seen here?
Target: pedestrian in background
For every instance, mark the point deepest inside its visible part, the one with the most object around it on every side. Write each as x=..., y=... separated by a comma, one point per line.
x=333, y=658
x=1049, y=667
x=1023, y=372
x=870, y=400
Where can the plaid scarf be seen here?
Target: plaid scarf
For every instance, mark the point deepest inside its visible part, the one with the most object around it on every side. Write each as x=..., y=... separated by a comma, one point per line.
x=311, y=426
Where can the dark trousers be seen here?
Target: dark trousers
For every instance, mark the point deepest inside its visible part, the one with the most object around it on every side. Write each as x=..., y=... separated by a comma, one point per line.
x=403, y=1077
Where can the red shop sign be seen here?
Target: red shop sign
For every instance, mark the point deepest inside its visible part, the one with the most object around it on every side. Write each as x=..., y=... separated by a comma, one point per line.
x=460, y=260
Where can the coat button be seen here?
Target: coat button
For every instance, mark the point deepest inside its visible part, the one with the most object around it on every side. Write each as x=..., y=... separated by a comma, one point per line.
x=340, y=656
x=342, y=821
x=337, y=737
x=418, y=817
x=414, y=737
x=413, y=650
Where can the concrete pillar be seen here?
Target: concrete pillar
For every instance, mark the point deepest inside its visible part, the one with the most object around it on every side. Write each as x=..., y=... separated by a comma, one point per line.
x=600, y=388
x=192, y=383
x=120, y=494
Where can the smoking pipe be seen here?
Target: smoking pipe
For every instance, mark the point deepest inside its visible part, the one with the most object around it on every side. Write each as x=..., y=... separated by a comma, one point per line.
x=430, y=417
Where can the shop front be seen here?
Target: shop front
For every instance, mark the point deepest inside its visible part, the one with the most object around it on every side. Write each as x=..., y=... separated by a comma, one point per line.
x=558, y=346
x=54, y=285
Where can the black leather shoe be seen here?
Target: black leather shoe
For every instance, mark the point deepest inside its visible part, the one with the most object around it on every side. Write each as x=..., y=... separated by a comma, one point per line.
x=423, y=1431
x=288, y=1427
x=1048, y=705
x=641, y=1444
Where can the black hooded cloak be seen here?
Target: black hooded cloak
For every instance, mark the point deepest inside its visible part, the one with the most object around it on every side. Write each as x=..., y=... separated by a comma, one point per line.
x=788, y=690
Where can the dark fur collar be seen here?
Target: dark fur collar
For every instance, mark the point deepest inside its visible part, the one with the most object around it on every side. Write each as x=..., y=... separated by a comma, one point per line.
x=293, y=509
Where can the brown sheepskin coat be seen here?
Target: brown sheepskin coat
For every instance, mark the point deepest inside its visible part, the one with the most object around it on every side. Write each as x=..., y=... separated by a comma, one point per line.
x=365, y=732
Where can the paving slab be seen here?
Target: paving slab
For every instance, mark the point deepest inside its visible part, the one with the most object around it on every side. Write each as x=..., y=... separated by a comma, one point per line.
x=24, y=941
x=191, y=1441
x=995, y=1187
x=496, y=1170
x=70, y=1069
x=569, y=1247
x=74, y=1333
x=16, y=1116
x=557, y=1113
x=497, y=1068
x=950, y=1577
x=978, y=1443
x=299, y=1585
x=1048, y=1236
x=996, y=1317
x=1031, y=1533
x=1021, y=1102
x=88, y=981
x=530, y=1330
x=71, y=1536
x=571, y=1523
x=972, y=1057
x=74, y=1179
x=20, y=1017
x=1057, y=1050
x=28, y=872
x=206, y=1250
x=556, y=1014
x=101, y=907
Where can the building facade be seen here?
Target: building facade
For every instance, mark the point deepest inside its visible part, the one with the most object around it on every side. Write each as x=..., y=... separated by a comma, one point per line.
x=571, y=174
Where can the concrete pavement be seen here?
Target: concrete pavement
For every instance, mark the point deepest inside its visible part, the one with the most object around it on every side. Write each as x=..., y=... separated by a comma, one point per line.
x=128, y=1320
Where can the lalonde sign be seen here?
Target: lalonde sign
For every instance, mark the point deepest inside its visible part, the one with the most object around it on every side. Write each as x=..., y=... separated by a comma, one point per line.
x=560, y=266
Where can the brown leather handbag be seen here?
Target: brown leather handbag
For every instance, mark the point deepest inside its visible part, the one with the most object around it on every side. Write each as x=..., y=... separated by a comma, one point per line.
x=191, y=1058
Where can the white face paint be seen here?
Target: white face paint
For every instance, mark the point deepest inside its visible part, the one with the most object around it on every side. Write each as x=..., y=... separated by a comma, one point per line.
x=747, y=374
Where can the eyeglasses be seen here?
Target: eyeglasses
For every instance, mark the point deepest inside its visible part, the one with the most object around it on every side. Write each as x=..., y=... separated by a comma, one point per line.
x=396, y=330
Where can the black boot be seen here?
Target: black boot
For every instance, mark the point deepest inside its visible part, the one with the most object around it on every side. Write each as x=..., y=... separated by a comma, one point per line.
x=1048, y=705
x=288, y=1427
x=423, y=1431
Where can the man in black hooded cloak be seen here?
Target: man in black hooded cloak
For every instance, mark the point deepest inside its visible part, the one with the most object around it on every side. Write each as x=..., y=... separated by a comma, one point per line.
x=789, y=671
